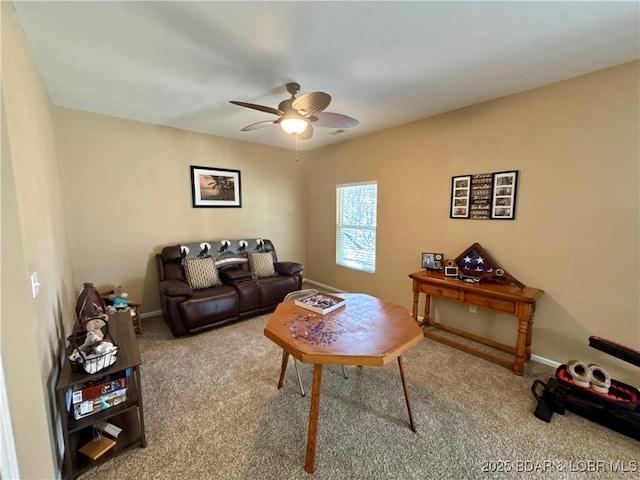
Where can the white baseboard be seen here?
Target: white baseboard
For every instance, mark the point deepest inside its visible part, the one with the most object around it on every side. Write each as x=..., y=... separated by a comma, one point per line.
x=322, y=285
x=151, y=314
x=545, y=361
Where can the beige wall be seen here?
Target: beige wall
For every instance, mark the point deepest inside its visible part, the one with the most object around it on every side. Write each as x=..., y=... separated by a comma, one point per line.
x=128, y=193
x=33, y=240
x=113, y=192
x=575, y=144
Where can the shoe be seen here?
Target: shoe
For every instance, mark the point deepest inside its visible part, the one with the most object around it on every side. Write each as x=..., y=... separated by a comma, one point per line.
x=600, y=378
x=580, y=373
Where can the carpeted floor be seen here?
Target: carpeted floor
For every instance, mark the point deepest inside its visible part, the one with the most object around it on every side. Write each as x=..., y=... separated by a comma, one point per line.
x=213, y=411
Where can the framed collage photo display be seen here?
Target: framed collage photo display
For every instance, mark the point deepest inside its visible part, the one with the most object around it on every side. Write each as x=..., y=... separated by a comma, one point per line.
x=503, y=204
x=460, y=196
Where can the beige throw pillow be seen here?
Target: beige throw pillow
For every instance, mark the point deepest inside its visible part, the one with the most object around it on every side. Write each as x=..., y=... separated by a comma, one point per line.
x=261, y=264
x=201, y=272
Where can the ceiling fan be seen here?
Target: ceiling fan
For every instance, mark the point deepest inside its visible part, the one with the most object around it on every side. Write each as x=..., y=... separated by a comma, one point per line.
x=298, y=115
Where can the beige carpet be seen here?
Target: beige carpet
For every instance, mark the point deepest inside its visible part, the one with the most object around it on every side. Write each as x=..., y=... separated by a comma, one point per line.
x=212, y=411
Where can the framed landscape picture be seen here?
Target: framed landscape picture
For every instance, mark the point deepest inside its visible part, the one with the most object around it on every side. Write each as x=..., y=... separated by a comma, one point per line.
x=215, y=187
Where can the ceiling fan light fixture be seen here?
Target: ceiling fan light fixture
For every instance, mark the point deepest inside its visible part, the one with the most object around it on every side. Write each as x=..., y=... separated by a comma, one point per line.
x=298, y=116
x=294, y=124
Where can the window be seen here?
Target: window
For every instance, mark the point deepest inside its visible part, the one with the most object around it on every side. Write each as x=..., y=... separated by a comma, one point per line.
x=356, y=214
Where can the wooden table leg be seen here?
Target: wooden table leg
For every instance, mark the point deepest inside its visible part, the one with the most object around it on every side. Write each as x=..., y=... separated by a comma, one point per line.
x=426, y=320
x=137, y=322
x=283, y=367
x=416, y=299
x=309, y=464
x=518, y=363
x=530, y=315
x=406, y=395
x=137, y=380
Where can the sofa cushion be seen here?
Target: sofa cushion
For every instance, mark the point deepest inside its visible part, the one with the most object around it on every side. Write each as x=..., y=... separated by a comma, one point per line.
x=201, y=272
x=208, y=307
x=175, y=288
x=261, y=264
x=274, y=289
x=235, y=275
x=288, y=268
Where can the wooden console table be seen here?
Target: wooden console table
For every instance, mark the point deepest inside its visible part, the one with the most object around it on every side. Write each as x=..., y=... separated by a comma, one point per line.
x=508, y=299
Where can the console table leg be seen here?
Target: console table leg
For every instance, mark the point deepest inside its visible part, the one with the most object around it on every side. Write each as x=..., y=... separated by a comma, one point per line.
x=406, y=395
x=283, y=367
x=416, y=299
x=309, y=464
x=426, y=321
x=530, y=315
x=518, y=364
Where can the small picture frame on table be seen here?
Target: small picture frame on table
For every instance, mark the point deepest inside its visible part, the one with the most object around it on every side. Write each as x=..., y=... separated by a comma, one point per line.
x=451, y=271
x=432, y=261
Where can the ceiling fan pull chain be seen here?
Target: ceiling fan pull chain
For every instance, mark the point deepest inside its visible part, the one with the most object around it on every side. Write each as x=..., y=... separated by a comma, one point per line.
x=297, y=159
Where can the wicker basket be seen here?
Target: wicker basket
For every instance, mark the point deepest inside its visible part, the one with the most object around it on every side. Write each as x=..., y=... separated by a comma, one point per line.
x=86, y=356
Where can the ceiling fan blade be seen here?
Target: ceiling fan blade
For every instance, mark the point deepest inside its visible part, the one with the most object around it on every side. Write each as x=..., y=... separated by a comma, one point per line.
x=333, y=120
x=257, y=125
x=262, y=108
x=311, y=103
x=307, y=134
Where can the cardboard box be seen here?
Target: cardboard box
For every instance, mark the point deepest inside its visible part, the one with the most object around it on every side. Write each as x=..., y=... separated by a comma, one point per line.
x=108, y=400
x=95, y=391
x=321, y=303
x=97, y=447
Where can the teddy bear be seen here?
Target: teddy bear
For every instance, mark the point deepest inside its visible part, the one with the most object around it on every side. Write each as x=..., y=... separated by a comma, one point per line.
x=119, y=298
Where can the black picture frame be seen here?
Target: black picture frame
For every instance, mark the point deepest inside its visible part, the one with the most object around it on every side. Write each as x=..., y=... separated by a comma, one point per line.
x=215, y=187
x=503, y=199
x=460, y=197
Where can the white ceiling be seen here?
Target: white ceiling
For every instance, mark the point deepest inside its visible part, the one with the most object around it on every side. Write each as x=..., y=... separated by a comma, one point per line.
x=384, y=63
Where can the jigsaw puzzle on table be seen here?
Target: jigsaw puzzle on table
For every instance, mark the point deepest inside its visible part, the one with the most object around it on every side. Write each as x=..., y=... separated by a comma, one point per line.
x=314, y=329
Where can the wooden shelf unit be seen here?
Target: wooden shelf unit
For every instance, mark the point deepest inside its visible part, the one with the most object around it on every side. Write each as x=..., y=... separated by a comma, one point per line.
x=129, y=416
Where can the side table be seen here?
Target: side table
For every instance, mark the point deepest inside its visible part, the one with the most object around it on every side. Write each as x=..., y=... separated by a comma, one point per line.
x=127, y=416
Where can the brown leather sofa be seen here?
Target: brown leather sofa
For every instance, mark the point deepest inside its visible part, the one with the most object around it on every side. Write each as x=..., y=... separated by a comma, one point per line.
x=240, y=293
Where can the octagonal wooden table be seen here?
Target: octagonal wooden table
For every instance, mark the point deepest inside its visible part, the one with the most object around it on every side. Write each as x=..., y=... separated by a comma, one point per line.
x=367, y=331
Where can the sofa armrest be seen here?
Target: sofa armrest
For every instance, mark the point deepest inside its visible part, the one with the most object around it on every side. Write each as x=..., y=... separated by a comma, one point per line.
x=175, y=288
x=288, y=268
x=231, y=276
